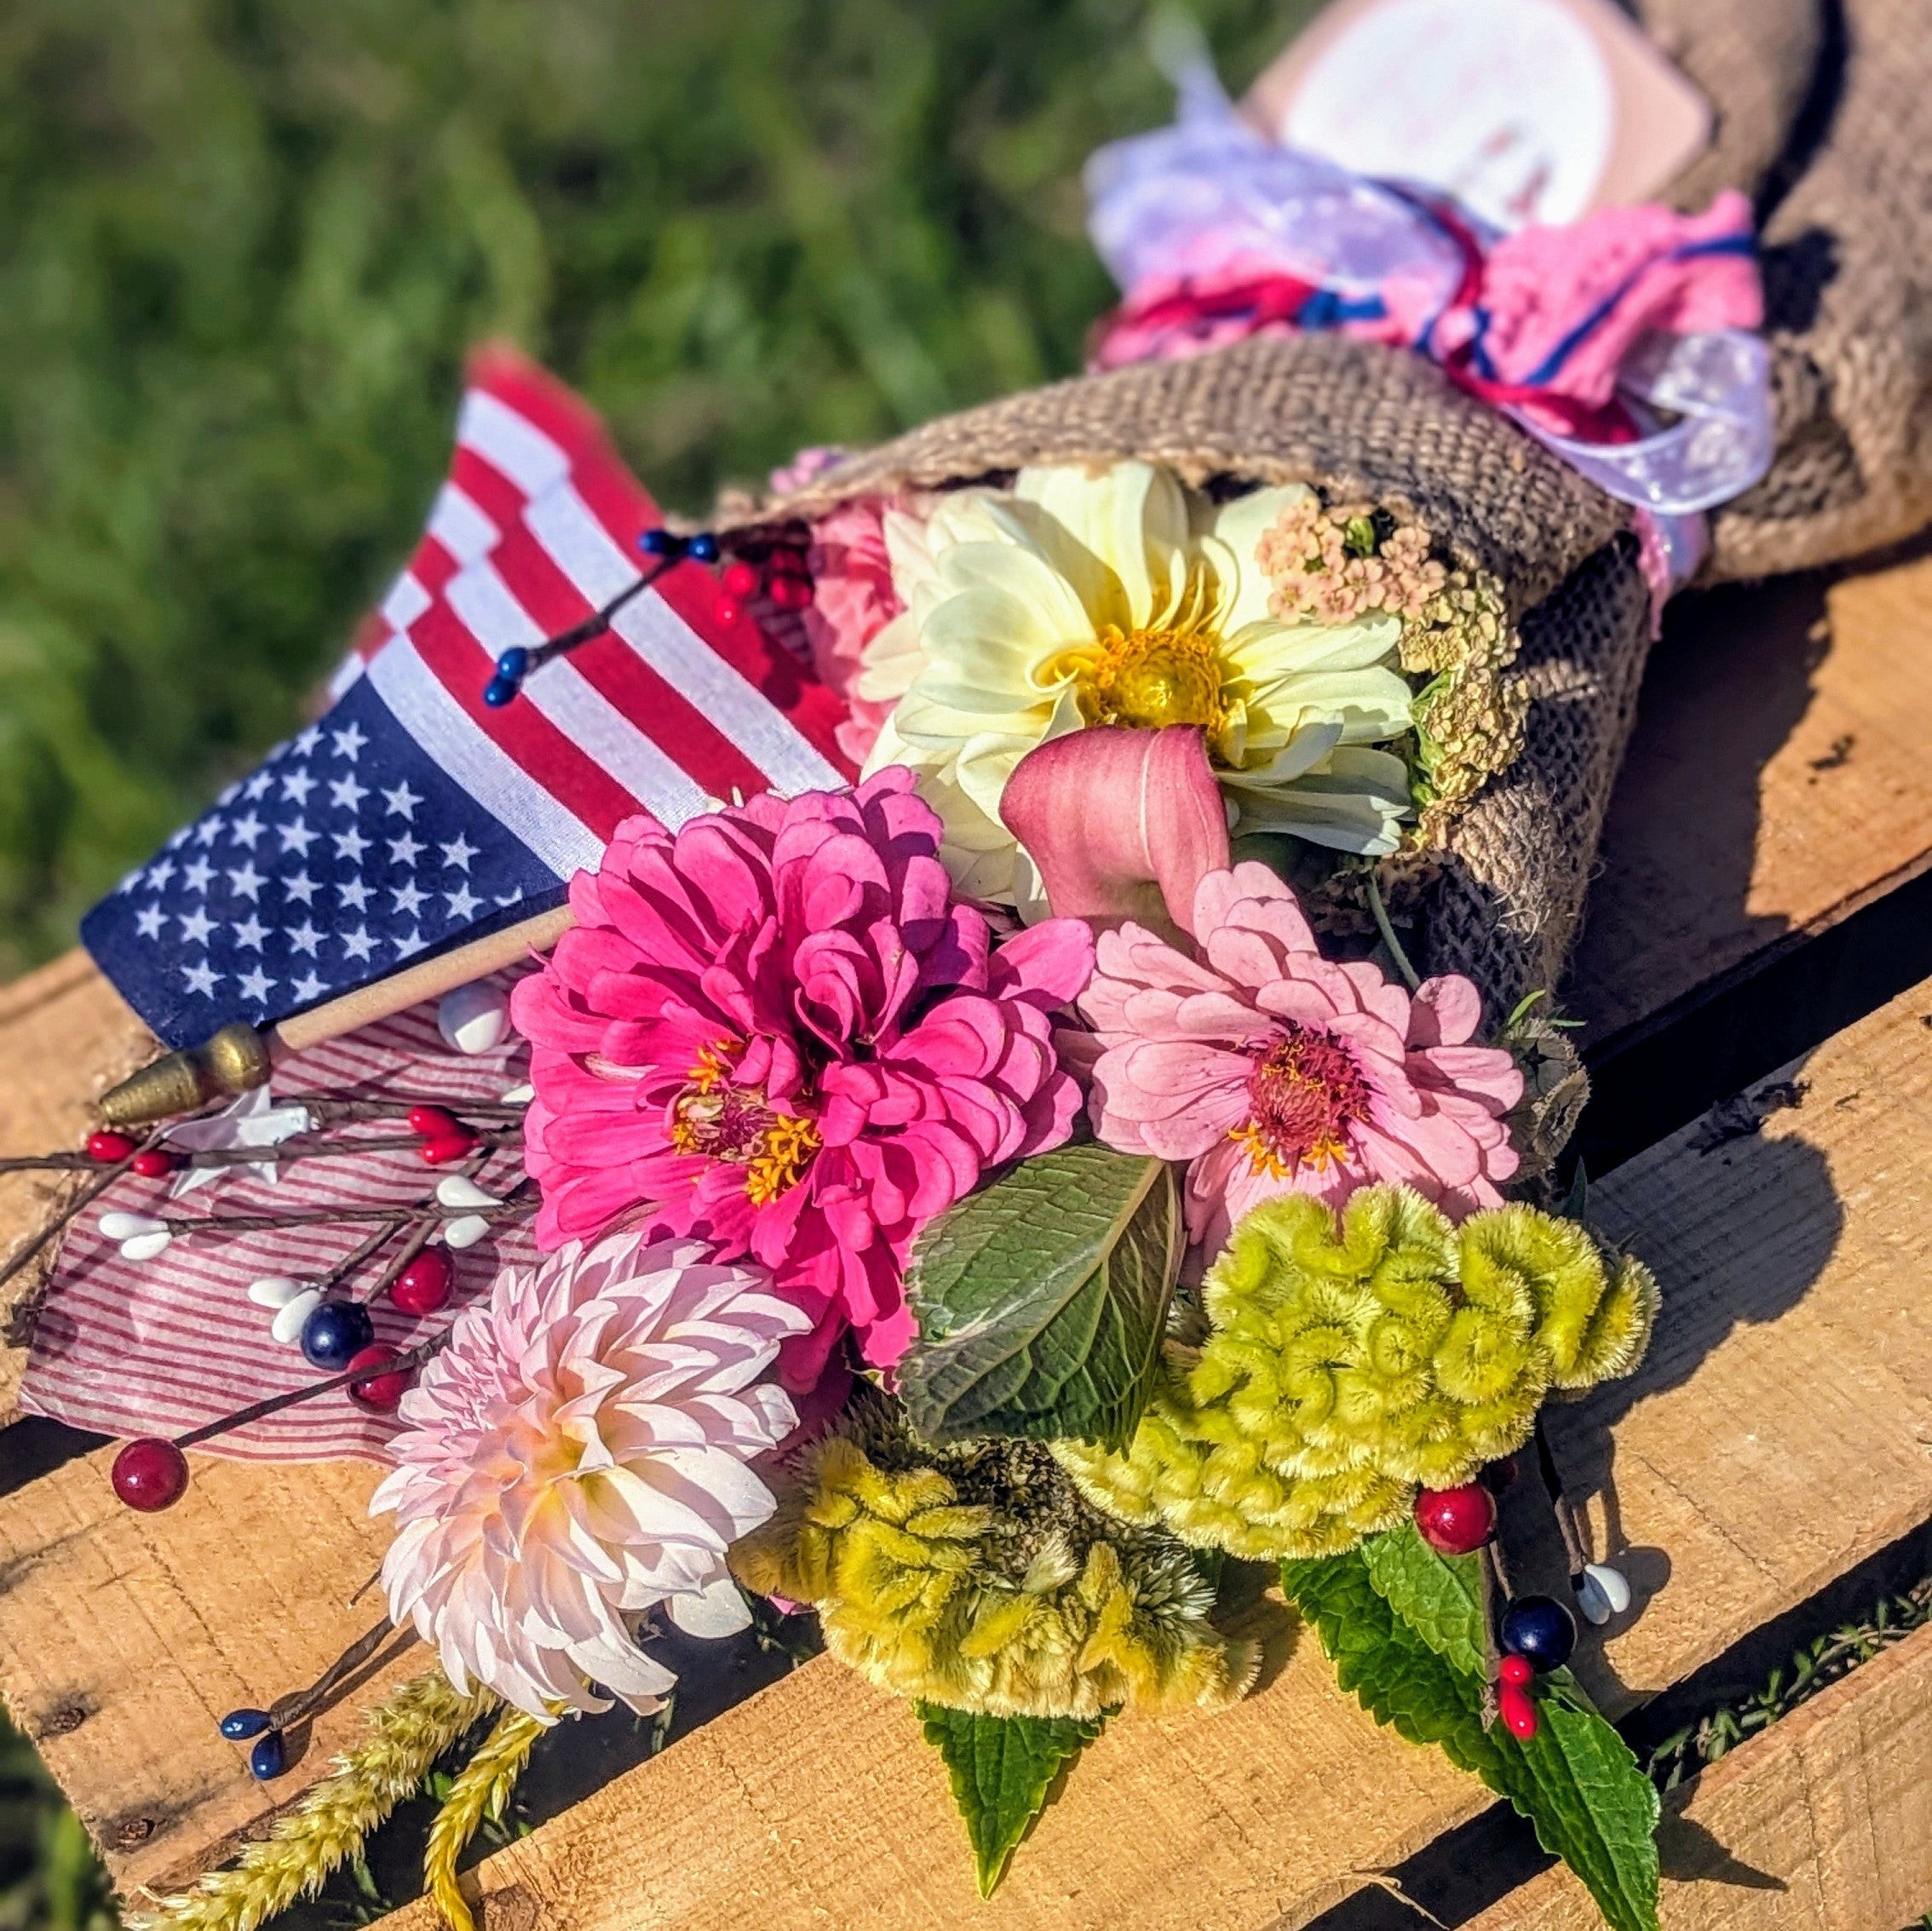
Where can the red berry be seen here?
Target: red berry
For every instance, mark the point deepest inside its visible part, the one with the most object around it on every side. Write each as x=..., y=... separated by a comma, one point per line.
x=152, y=1164
x=739, y=578
x=423, y=1285
x=1517, y=1711
x=728, y=611
x=109, y=1148
x=434, y=1122
x=1517, y=1669
x=380, y=1393
x=1456, y=1520
x=150, y=1474
x=448, y=1147
x=1499, y=1475
x=790, y=592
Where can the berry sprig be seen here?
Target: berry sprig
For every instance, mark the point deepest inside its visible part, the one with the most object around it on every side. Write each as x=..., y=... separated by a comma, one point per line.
x=1527, y=1635
x=773, y=569
x=665, y=549
x=268, y=1729
x=150, y=1472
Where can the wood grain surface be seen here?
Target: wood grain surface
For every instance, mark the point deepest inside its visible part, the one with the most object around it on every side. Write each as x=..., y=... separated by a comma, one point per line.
x=1777, y=781
x=65, y=1037
x=1825, y=1821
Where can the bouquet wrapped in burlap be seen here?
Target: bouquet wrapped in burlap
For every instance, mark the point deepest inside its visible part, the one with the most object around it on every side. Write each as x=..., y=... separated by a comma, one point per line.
x=1823, y=136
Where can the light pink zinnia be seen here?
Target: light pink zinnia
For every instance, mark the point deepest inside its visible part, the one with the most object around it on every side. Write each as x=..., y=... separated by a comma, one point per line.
x=1270, y=1068
x=579, y=1454
x=776, y=1031
x=853, y=600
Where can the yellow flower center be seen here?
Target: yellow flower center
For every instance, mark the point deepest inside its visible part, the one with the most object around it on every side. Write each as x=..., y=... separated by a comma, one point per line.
x=1150, y=678
x=737, y=1125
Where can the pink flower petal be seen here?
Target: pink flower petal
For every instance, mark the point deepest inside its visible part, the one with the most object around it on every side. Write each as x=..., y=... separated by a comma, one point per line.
x=1122, y=824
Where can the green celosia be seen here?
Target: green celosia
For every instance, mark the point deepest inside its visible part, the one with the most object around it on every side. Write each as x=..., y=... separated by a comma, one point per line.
x=1352, y=1359
x=976, y=1577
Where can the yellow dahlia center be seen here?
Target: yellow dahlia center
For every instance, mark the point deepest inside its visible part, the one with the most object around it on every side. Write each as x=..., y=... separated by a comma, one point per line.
x=737, y=1125
x=1151, y=678
x=1305, y=1094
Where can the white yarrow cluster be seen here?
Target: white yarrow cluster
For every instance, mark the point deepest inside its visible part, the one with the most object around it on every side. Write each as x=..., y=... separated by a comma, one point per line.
x=577, y=1456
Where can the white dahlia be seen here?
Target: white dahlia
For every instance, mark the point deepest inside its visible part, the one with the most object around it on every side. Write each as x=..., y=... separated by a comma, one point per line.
x=1114, y=596
x=577, y=1456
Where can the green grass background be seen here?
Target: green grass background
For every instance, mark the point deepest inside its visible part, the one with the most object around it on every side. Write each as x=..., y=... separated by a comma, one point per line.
x=245, y=245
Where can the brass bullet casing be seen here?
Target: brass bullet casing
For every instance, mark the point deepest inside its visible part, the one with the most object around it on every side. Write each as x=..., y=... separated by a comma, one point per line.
x=230, y=1062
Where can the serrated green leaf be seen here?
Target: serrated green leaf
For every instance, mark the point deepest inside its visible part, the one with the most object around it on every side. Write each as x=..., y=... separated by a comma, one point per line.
x=1041, y=1301
x=1001, y=1769
x=1439, y=1596
x=1576, y=1779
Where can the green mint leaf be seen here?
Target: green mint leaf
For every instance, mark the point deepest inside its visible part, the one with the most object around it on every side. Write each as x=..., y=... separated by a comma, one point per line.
x=1001, y=1769
x=1439, y=1597
x=1576, y=1779
x=1041, y=1301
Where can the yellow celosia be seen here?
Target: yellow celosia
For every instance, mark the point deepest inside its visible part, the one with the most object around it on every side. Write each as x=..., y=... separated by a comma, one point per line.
x=976, y=1578
x=1353, y=1359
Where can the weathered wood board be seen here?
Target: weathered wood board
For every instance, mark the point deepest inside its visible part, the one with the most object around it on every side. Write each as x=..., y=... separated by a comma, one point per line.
x=1776, y=783
x=1825, y=1820
x=147, y=1628
x=67, y=1036
x=1778, y=1435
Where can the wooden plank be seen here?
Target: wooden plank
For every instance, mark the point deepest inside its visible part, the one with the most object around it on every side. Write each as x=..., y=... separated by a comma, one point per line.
x=125, y=1637
x=146, y=1748
x=1777, y=1436
x=1825, y=1820
x=66, y=1037
x=1777, y=781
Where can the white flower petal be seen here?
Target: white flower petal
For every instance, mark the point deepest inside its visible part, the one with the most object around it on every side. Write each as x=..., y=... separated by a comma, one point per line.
x=718, y=1611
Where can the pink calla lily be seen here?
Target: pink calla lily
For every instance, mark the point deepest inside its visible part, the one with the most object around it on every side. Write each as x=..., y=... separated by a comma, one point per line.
x=1121, y=823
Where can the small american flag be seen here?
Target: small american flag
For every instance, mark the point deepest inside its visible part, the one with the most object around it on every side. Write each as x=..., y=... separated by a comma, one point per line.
x=413, y=816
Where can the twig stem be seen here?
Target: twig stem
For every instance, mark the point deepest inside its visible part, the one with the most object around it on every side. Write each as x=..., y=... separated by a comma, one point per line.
x=1387, y=931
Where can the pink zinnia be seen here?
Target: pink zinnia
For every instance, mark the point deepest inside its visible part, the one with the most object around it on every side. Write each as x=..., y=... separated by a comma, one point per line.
x=776, y=1031
x=1270, y=1068
x=853, y=600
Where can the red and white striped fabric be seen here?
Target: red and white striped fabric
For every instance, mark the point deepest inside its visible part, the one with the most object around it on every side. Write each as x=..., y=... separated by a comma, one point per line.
x=160, y=1346
x=682, y=704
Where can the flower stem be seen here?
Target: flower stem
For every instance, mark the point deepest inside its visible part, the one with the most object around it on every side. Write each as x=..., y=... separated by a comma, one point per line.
x=1388, y=932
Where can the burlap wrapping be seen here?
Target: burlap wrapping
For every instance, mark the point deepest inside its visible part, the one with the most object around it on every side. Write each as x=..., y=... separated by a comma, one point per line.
x=1852, y=336
x=1847, y=208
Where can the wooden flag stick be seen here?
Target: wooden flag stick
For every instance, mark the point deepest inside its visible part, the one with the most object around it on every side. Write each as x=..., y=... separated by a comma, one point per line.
x=383, y=998
x=239, y=1057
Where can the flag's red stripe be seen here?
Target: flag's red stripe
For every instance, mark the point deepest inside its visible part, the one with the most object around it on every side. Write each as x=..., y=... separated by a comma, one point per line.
x=546, y=404
x=655, y=707
x=461, y=664
x=495, y=494
x=694, y=593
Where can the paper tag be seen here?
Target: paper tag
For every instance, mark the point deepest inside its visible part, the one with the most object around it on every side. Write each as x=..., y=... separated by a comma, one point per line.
x=1525, y=110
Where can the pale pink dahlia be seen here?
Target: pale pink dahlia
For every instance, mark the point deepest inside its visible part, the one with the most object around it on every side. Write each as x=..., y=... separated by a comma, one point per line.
x=776, y=1031
x=1270, y=1068
x=577, y=1456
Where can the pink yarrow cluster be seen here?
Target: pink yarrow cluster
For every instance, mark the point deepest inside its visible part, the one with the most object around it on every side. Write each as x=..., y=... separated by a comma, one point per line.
x=776, y=1032
x=1269, y=1068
